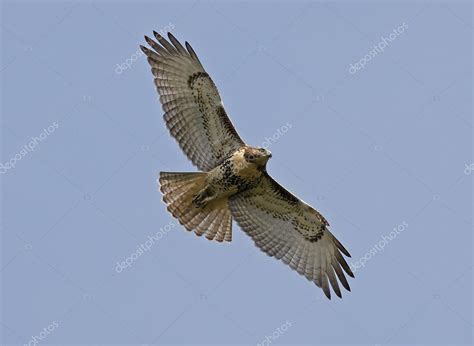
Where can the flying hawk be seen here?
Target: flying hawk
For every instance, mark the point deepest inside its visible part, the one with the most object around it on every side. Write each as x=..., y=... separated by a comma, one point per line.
x=233, y=182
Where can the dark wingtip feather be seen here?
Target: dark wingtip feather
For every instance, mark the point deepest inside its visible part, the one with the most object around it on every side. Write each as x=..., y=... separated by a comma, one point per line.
x=325, y=287
x=337, y=268
x=157, y=35
x=156, y=47
x=333, y=282
x=342, y=248
x=168, y=46
x=148, y=40
x=177, y=44
x=191, y=51
x=343, y=264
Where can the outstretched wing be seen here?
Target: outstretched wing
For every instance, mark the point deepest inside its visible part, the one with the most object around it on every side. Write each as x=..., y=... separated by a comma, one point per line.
x=286, y=228
x=193, y=108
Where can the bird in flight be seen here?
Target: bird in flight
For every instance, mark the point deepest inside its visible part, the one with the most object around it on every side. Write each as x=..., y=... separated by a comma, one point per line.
x=233, y=182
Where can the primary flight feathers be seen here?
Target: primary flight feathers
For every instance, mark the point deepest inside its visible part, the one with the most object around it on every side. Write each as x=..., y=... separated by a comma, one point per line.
x=234, y=183
x=202, y=129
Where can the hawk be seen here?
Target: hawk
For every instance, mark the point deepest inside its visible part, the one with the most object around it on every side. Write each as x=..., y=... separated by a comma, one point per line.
x=233, y=182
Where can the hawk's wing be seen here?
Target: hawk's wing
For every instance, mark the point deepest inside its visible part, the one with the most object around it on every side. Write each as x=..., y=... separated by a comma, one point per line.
x=286, y=228
x=193, y=108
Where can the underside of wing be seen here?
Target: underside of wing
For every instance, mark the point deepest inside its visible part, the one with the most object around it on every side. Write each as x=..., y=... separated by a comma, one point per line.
x=288, y=229
x=194, y=113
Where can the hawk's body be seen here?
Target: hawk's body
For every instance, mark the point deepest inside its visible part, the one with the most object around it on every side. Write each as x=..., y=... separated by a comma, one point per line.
x=234, y=174
x=234, y=183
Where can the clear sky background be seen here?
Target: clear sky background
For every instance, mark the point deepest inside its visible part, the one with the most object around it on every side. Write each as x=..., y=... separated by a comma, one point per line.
x=384, y=146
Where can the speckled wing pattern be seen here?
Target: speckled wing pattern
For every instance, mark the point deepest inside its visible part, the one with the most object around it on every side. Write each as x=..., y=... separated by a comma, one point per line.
x=194, y=113
x=288, y=229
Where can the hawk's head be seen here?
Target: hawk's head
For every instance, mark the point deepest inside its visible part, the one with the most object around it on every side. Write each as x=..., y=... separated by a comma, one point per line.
x=257, y=156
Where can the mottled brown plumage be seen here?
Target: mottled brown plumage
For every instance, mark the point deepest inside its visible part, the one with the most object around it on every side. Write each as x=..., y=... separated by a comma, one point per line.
x=234, y=183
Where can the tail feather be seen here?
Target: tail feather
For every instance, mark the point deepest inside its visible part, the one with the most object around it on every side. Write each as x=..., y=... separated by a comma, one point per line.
x=206, y=223
x=222, y=231
x=179, y=189
x=214, y=227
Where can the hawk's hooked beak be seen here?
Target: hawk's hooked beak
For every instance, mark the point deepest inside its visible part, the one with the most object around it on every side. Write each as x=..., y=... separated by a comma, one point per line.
x=263, y=156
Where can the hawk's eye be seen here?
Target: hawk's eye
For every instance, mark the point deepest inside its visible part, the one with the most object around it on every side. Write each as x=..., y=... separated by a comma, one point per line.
x=262, y=150
x=251, y=157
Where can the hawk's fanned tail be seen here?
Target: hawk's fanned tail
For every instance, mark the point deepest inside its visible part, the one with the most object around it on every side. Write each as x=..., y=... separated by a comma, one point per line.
x=213, y=220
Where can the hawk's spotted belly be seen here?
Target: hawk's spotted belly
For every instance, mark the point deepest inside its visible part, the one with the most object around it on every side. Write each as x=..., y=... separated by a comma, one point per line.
x=235, y=174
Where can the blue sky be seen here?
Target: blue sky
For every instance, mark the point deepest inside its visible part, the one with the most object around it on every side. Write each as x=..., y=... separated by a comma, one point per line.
x=367, y=109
